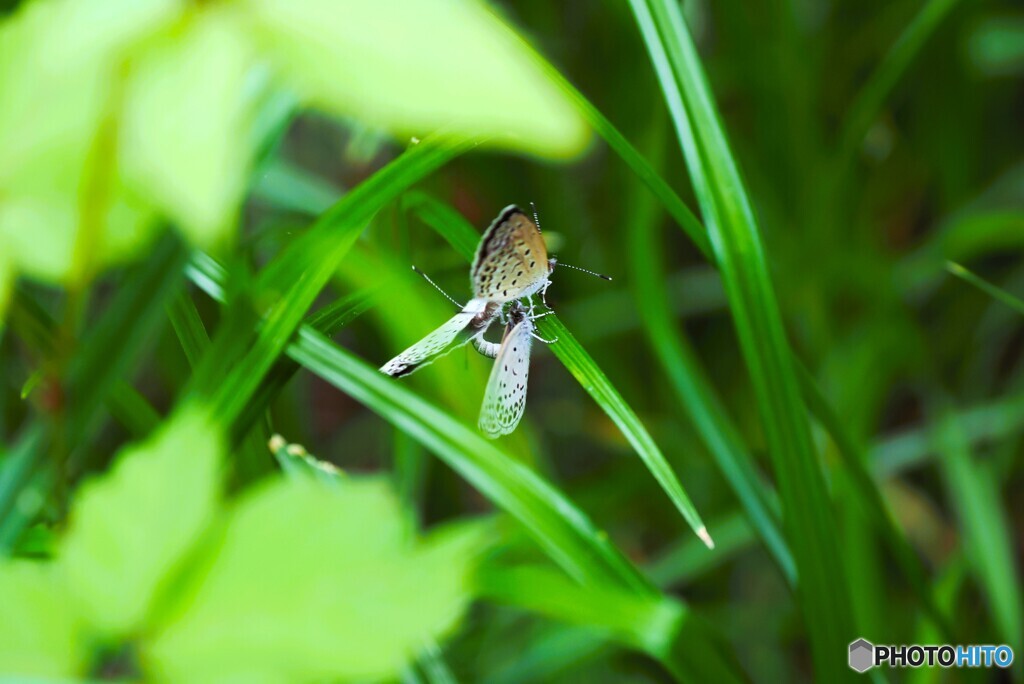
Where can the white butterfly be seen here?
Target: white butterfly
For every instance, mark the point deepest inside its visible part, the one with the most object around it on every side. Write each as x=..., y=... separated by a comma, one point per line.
x=511, y=262
x=505, y=396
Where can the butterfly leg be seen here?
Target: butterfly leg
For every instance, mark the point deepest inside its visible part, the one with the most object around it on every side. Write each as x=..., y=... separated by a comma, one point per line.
x=538, y=337
x=543, y=294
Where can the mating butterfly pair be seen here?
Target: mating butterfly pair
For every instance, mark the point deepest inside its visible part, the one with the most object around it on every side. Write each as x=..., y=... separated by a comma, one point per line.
x=511, y=263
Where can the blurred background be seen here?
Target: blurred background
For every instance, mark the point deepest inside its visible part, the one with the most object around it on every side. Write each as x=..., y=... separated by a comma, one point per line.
x=865, y=192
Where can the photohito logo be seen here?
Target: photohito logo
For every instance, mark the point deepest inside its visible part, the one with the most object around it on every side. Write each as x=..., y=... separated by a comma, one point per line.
x=864, y=655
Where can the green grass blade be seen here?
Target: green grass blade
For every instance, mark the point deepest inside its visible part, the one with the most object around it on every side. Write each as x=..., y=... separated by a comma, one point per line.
x=560, y=528
x=986, y=533
x=188, y=326
x=37, y=329
x=508, y=483
x=991, y=423
x=736, y=241
x=457, y=231
x=656, y=625
x=115, y=341
x=868, y=102
x=867, y=495
x=210, y=276
x=16, y=470
x=288, y=286
x=988, y=288
x=686, y=560
x=591, y=378
x=686, y=376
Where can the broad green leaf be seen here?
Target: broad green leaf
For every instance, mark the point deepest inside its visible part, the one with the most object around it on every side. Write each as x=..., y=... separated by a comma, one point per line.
x=130, y=529
x=64, y=210
x=185, y=127
x=40, y=634
x=412, y=66
x=315, y=583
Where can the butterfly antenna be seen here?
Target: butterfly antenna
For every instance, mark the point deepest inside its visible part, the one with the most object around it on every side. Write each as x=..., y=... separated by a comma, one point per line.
x=536, y=216
x=577, y=268
x=437, y=287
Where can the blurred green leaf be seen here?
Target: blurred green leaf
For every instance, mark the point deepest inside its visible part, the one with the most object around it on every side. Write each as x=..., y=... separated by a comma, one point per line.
x=646, y=622
x=303, y=589
x=466, y=73
x=18, y=501
x=996, y=45
x=130, y=530
x=986, y=533
x=735, y=238
x=59, y=63
x=864, y=109
x=184, y=141
x=40, y=631
x=658, y=626
x=108, y=351
x=286, y=186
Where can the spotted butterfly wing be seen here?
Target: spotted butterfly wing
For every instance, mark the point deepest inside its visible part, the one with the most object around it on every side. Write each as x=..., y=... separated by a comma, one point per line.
x=505, y=396
x=464, y=326
x=512, y=259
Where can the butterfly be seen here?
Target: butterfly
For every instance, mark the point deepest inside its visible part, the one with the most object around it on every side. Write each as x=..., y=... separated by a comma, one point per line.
x=505, y=396
x=511, y=262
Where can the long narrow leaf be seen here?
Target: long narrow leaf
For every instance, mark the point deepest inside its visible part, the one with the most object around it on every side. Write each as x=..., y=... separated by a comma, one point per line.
x=656, y=625
x=736, y=241
x=561, y=529
x=868, y=102
x=687, y=378
x=986, y=532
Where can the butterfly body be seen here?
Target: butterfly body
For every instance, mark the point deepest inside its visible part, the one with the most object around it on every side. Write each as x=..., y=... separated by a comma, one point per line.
x=511, y=262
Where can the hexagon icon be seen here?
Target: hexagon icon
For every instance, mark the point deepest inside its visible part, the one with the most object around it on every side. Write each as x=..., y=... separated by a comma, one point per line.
x=862, y=655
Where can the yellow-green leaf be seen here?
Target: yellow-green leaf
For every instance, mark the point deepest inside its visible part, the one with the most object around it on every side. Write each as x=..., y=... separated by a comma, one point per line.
x=184, y=142
x=39, y=631
x=412, y=66
x=315, y=583
x=60, y=65
x=130, y=529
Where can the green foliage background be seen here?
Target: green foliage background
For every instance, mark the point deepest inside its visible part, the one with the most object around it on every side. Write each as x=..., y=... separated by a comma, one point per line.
x=811, y=346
